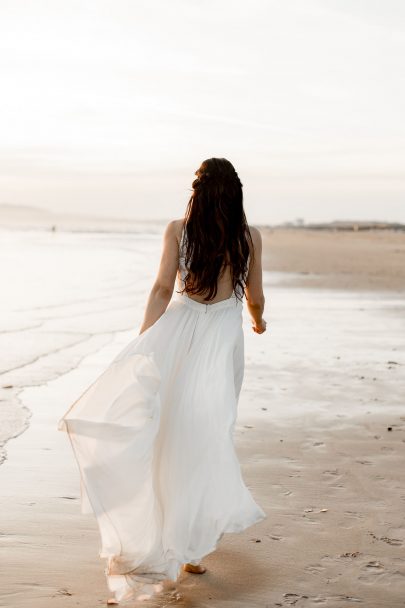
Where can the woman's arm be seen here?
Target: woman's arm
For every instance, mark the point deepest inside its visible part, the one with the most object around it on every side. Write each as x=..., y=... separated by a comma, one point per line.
x=254, y=285
x=161, y=292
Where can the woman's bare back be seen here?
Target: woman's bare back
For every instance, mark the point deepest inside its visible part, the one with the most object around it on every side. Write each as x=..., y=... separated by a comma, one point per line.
x=224, y=284
x=224, y=289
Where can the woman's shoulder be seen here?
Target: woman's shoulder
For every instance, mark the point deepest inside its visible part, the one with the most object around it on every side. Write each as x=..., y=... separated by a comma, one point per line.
x=175, y=228
x=175, y=225
x=255, y=232
x=256, y=237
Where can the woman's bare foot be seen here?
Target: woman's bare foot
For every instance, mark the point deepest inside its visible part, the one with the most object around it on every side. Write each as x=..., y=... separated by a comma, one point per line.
x=199, y=569
x=112, y=600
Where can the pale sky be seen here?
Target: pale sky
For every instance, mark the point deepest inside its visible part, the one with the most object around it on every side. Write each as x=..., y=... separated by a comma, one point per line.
x=107, y=107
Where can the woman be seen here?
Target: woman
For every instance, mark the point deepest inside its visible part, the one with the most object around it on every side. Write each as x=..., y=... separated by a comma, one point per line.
x=153, y=434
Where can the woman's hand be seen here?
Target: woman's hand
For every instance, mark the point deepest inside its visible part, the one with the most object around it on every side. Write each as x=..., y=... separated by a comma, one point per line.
x=254, y=284
x=259, y=328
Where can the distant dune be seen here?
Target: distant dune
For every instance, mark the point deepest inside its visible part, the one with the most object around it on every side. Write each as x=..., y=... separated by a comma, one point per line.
x=36, y=218
x=350, y=225
x=24, y=217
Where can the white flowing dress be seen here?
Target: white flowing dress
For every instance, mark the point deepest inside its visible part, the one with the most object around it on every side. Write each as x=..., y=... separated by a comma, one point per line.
x=153, y=439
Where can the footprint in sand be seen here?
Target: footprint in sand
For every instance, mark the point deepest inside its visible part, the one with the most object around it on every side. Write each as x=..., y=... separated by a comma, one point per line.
x=333, y=478
x=314, y=569
x=374, y=566
x=396, y=542
x=293, y=599
x=397, y=533
x=391, y=541
x=345, y=598
x=370, y=570
x=354, y=514
x=63, y=591
x=353, y=554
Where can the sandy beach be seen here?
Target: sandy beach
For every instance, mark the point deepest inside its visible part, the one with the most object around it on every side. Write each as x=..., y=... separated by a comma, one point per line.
x=363, y=260
x=320, y=432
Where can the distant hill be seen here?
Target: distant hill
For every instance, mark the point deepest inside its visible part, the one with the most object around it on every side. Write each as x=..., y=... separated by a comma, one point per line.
x=344, y=225
x=25, y=217
x=6, y=208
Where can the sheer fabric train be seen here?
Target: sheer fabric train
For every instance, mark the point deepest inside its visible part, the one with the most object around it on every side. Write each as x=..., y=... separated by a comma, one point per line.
x=153, y=439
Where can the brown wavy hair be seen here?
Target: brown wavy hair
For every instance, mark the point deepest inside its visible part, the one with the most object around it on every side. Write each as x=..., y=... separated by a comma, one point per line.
x=216, y=231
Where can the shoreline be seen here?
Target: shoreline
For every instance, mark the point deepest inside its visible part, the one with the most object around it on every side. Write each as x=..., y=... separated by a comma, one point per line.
x=322, y=388
x=314, y=462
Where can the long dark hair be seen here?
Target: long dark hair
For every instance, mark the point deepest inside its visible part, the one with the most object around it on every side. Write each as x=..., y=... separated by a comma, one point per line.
x=216, y=232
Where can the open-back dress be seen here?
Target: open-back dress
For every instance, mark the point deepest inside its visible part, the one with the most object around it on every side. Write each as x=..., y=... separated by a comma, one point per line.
x=153, y=439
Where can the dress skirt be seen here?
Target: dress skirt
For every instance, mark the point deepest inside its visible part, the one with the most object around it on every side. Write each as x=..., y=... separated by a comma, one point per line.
x=153, y=439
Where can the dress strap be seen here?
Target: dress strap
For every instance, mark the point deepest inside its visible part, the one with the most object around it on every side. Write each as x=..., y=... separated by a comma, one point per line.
x=182, y=240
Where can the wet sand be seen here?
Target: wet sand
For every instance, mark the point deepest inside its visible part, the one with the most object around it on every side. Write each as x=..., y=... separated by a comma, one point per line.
x=321, y=440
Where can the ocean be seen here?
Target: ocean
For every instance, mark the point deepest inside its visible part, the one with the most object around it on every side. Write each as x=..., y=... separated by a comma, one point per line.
x=68, y=295
x=65, y=295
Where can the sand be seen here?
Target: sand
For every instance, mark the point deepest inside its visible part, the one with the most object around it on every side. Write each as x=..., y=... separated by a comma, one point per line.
x=364, y=260
x=320, y=437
